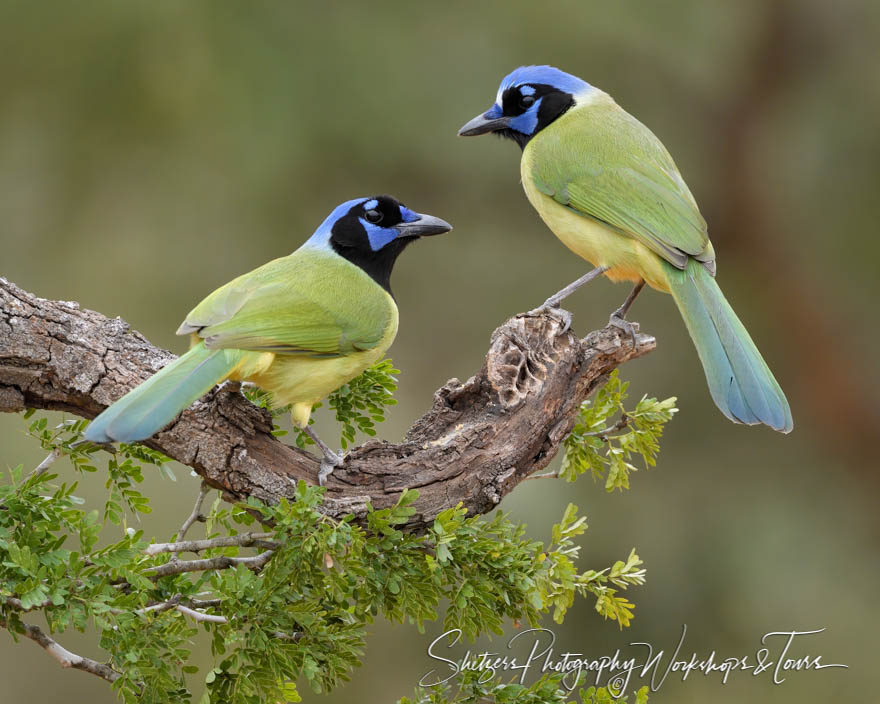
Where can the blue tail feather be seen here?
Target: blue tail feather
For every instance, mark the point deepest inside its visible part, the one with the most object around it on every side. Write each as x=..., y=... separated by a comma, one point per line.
x=741, y=383
x=145, y=410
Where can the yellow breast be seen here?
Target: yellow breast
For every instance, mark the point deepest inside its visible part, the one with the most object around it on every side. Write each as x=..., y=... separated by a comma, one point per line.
x=303, y=380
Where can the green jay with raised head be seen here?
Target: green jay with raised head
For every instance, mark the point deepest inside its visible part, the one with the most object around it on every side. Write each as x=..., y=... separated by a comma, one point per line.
x=299, y=327
x=606, y=186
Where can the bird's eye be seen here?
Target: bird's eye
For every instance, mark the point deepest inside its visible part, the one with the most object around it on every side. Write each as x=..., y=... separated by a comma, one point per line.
x=526, y=101
x=373, y=216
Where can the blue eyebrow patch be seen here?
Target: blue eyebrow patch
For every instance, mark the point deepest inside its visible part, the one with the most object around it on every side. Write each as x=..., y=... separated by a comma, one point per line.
x=527, y=90
x=378, y=236
x=370, y=204
x=408, y=215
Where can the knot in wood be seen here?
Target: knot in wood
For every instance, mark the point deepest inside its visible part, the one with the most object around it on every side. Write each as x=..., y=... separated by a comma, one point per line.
x=520, y=355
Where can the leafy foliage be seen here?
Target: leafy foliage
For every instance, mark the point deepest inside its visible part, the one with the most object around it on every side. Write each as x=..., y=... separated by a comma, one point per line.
x=599, y=446
x=291, y=608
x=357, y=405
x=360, y=403
x=564, y=579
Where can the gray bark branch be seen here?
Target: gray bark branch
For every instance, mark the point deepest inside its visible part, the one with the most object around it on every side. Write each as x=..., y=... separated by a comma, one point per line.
x=64, y=657
x=244, y=540
x=221, y=562
x=479, y=439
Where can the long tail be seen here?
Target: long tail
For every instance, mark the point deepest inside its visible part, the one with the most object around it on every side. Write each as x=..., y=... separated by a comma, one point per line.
x=740, y=381
x=147, y=409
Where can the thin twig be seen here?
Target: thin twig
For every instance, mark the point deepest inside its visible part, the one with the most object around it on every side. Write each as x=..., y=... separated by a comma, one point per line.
x=151, y=609
x=64, y=656
x=174, y=603
x=211, y=563
x=163, y=606
x=621, y=423
x=289, y=636
x=194, y=516
x=242, y=540
x=44, y=466
x=204, y=603
x=41, y=468
x=200, y=616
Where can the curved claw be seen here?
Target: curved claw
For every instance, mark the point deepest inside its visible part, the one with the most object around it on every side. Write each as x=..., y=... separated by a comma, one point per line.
x=548, y=308
x=331, y=461
x=622, y=324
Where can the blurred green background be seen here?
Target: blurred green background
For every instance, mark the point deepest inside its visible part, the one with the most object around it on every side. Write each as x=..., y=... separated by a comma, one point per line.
x=149, y=152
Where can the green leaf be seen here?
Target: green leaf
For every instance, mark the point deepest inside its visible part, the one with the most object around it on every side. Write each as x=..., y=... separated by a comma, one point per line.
x=606, y=437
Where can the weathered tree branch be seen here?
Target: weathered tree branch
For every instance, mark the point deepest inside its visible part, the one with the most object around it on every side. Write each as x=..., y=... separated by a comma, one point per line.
x=78, y=662
x=63, y=655
x=479, y=439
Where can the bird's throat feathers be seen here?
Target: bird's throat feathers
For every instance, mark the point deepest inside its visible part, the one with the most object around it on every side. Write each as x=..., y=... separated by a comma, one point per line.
x=378, y=265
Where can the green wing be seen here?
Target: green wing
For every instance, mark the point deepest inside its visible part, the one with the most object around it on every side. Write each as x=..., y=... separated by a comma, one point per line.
x=293, y=305
x=604, y=164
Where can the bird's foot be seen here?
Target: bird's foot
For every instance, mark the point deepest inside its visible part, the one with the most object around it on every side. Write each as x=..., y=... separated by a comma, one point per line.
x=231, y=387
x=618, y=321
x=329, y=462
x=551, y=307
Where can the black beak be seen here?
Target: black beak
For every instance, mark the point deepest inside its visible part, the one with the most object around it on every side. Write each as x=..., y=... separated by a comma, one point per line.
x=426, y=225
x=482, y=124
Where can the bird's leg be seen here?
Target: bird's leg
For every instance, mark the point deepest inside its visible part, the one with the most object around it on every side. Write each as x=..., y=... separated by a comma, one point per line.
x=618, y=317
x=559, y=296
x=331, y=459
x=552, y=303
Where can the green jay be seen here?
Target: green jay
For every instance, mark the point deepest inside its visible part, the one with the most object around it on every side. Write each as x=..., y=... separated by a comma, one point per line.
x=299, y=327
x=606, y=186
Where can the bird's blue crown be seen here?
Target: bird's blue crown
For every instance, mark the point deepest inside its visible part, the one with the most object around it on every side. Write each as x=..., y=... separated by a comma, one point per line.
x=542, y=75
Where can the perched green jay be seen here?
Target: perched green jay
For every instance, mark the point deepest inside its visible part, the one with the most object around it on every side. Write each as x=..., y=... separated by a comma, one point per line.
x=299, y=327
x=607, y=187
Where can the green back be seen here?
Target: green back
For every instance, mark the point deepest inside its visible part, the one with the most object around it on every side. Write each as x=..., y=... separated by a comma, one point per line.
x=601, y=162
x=311, y=302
